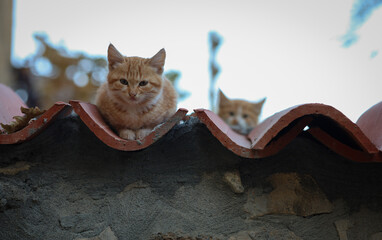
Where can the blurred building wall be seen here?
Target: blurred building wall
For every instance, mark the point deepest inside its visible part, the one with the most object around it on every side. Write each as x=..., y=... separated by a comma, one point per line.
x=5, y=41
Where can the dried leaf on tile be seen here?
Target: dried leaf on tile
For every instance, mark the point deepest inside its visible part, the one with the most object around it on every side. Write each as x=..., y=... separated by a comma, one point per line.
x=22, y=121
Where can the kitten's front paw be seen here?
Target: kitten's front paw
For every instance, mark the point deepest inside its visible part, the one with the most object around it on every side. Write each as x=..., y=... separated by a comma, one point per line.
x=127, y=134
x=142, y=133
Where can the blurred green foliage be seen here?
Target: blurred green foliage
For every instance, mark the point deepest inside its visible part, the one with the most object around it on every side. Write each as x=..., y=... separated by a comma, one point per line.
x=57, y=74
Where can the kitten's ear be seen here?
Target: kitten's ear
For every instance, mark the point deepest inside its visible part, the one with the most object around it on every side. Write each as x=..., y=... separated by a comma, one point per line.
x=158, y=61
x=114, y=57
x=259, y=105
x=222, y=98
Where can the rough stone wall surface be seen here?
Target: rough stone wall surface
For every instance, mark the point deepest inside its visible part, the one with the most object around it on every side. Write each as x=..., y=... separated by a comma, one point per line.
x=66, y=184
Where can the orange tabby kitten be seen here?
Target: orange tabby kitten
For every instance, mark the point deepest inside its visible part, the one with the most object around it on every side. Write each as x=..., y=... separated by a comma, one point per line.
x=136, y=97
x=242, y=116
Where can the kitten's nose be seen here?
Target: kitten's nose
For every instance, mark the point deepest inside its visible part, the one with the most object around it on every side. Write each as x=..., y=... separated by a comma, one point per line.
x=133, y=94
x=234, y=121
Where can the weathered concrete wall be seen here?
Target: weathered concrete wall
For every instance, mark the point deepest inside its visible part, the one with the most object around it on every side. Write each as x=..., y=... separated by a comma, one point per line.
x=66, y=184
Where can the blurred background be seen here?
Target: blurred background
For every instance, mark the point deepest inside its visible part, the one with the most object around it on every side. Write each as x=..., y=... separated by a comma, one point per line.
x=291, y=52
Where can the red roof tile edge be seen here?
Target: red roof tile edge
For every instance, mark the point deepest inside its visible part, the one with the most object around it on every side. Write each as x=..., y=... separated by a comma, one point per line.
x=241, y=144
x=237, y=143
x=265, y=140
x=59, y=109
x=270, y=127
x=282, y=141
x=90, y=115
x=340, y=148
x=10, y=104
x=370, y=122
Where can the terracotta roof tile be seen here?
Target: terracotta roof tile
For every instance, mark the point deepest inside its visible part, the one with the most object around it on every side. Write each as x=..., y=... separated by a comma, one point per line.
x=323, y=118
x=235, y=142
x=370, y=122
x=90, y=115
x=10, y=104
x=327, y=125
x=361, y=142
x=339, y=147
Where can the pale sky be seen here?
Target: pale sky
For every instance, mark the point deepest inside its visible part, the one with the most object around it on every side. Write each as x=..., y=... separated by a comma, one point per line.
x=288, y=51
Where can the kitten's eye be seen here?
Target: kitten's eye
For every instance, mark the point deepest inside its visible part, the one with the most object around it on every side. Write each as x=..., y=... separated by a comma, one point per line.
x=245, y=115
x=123, y=81
x=143, y=83
x=231, y=113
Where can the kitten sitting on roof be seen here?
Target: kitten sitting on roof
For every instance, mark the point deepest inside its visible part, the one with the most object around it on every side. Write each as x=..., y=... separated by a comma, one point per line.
x=136, y=96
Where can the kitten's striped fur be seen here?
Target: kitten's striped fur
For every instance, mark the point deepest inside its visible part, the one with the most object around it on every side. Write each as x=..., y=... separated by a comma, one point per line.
x=136, y=97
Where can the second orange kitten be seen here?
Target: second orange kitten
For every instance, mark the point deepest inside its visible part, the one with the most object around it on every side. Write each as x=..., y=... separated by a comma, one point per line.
x=136, y=96
x=242, y=116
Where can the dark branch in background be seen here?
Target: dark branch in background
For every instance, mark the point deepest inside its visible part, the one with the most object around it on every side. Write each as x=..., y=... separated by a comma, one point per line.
x=215, y=41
